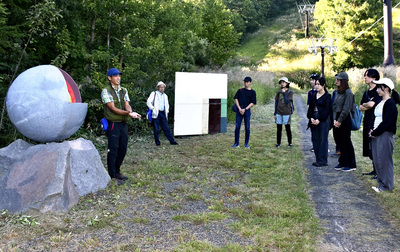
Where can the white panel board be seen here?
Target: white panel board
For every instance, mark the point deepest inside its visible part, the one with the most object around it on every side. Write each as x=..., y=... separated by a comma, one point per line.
x=191, y=90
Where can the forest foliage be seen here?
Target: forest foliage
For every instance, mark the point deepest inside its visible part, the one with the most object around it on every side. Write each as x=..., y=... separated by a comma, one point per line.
x=150, y=40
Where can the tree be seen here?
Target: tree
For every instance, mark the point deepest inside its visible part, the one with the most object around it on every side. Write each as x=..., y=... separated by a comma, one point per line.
x=352, y=19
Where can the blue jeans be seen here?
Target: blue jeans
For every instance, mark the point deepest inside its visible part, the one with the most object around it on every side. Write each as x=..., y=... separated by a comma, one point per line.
x=117, y=133
x=239, y=119
x=161, y=120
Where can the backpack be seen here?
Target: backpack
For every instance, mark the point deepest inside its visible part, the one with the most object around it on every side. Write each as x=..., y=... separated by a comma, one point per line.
x=356, y=118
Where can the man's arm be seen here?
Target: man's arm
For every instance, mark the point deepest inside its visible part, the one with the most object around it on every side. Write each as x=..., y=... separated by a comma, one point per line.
x=367, y=106
x=118, y=111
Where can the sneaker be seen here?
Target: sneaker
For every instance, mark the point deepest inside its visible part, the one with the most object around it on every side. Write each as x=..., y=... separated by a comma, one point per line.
x=316, y=164
x=290, y=145
x=247, y=146
x=338, y=168
x=347, y=169
x=337, y=154
x=312, y=149
x=235, y=145
x=277, y=145
x=376, y=189
x=174, y=143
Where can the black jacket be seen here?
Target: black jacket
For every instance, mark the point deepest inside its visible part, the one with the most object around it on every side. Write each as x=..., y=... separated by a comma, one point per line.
x=389, y=119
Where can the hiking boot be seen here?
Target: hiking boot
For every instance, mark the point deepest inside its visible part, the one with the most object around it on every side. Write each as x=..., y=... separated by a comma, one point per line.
x=118, y=181
x=121, y=177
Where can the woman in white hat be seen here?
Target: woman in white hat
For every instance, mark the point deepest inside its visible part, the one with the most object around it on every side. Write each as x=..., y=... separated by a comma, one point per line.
x=158, y=103
x=283, y=110
x=383, y=132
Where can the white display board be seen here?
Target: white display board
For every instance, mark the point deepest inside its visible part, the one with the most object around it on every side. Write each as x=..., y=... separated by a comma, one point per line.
x=192, y=93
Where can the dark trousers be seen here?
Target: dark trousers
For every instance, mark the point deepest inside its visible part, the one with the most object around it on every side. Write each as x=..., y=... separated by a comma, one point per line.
x=239, y=118
x=343, y=140
x=117, y=134
x=279, y=133
x=319, y=138
x=161, y=120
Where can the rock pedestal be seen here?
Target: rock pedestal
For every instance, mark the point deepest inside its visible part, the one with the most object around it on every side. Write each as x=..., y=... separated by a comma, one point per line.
x=49, y=177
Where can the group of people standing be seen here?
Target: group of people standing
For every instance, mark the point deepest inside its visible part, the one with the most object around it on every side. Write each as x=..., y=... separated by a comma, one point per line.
x=324, y=113
x=379, y=125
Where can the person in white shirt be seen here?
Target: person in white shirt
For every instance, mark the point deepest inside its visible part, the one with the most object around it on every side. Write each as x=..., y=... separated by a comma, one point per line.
x=159, y=106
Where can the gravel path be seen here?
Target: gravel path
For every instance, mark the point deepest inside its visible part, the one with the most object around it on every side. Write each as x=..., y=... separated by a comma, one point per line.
x=349, y=211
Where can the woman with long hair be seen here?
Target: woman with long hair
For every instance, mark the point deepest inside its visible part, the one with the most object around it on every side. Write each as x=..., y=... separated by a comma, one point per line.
x=383, y=132
x=318, y=113
x=342, y=107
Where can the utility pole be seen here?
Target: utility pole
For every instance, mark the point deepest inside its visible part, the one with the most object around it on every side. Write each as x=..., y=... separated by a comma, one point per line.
x=388, y=33
x=320, y=44
x=322, y=61
x=308, y=8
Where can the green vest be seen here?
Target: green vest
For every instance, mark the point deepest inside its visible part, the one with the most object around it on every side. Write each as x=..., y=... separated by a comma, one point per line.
x=111, y=116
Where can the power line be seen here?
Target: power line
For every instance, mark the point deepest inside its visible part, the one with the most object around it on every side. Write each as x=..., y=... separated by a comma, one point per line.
x=365, y=30
x=298, y=7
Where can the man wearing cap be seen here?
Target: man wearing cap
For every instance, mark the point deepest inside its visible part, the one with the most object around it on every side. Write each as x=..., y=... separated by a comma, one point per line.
x=158, y=103
x=313, y=79
x=283, y=110
x=245, y=98
x=117, y=111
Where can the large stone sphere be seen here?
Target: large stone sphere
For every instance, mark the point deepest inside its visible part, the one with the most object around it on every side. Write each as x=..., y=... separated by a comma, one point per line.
x=44, y=104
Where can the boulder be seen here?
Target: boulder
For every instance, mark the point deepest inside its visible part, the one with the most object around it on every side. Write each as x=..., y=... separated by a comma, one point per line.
x=49, y=177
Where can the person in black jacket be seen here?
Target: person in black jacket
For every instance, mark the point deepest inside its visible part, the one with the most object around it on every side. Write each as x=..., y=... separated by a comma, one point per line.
x=369, y=100
x=343, y=105
x=319, y=113
x=382, y=134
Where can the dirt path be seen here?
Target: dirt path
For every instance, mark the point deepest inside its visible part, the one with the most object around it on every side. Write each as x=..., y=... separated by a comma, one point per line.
x=348, y=210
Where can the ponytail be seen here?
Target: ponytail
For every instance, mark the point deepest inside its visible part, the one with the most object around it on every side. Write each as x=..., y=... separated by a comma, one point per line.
x=396, y=96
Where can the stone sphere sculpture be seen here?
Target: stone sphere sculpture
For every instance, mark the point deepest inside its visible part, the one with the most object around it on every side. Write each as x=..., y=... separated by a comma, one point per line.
x=45, y=105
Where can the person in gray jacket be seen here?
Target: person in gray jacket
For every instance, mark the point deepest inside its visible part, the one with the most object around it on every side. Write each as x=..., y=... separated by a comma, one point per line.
x=342, y=107
x=158, y=103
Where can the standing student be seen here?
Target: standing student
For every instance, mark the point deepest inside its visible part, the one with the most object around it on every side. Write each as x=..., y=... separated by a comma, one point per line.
x=117, y=111
x=383, y=132
x=319, y=113
x=283, y=110
x=313, y=79
x=245, y=98
x=158, y=103
x=369, y=100
x=312, y=91
x=342, y=107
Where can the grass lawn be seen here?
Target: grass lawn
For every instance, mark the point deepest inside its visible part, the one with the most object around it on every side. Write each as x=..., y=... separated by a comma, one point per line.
x=182, y=197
